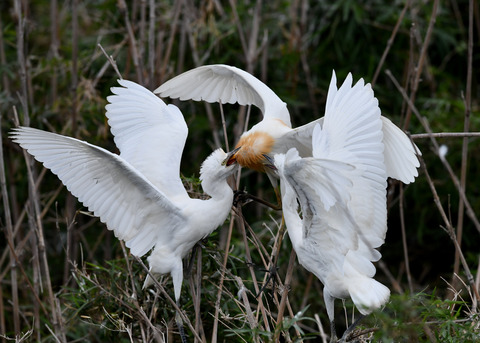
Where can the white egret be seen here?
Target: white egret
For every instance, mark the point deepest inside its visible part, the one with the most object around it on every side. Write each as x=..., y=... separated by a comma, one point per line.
x=139, y=193
x=342, y=196
x=274, y=134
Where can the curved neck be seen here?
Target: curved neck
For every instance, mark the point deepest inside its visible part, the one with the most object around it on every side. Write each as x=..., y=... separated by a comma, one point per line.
x=290, y=213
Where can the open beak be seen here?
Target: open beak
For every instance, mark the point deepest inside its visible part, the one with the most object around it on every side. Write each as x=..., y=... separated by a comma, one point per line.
x=231, y=157
x=269, y=163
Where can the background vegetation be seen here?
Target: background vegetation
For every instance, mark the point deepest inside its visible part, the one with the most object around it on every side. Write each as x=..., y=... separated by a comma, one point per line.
x=64, y=277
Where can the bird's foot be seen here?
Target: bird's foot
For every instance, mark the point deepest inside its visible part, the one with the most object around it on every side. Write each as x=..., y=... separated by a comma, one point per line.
x=272, y=276
x=241, y=198
x=346, y=335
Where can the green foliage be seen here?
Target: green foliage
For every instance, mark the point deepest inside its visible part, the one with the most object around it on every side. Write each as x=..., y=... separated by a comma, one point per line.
x=424, y=317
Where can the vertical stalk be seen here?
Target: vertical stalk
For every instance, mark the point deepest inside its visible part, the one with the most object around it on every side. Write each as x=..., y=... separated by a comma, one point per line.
x=421, y=60
x=466, y=128
x=54, y=45
x=74, y=66
x=11, y=243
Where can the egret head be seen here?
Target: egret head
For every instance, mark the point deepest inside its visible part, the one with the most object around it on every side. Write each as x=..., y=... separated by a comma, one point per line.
x=218, y=166
x=215, y=170
x=252, y=149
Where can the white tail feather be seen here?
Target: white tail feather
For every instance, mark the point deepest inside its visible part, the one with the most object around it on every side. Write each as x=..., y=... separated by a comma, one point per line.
x=368, y=294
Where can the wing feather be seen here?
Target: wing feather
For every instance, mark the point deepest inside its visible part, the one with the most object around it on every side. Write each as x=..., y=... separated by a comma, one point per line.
x=149, y=134
x=110, y=187
x=400, y=154
x=226, y=84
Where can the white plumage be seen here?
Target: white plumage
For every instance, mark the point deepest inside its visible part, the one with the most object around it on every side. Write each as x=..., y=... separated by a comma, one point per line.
x=342, y=196
x=227, y=84
x=139, y=193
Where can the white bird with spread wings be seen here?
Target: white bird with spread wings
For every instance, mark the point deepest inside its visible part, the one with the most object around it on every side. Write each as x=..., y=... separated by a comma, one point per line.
x=139, y=194
x=342, y=196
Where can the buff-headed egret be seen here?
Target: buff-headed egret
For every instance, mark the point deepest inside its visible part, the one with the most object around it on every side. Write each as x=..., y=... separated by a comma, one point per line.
x=274, y=133
x=139, y=194
x=341, y=191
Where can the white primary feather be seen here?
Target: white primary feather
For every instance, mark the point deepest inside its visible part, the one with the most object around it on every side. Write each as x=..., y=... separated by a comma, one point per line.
x=226, y=84
x=149, y=134
x=135, y=193
x=109, y=186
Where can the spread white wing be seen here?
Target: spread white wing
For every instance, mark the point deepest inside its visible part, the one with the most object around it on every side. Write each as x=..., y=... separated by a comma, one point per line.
x=225, y=84
x=351, y=134
x=149, y=134
x=110, y=187
x=400, y=158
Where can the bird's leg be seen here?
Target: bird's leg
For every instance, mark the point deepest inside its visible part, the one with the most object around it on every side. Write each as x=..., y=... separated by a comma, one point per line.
x=188, y=270
x=242, y=197
x=179, y=322
x=350, y=329
x=177, y=278
x=329, y=304
x=333, y=332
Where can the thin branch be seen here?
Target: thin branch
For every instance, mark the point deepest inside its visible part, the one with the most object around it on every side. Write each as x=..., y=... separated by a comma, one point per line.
x=421, y=61
x=445, y=135
x=450, y=230
x=10, y=240
x=424, y=122
x=167, y=296
x=222, y=279
x=466, y=127
x=390, y=42
x=133, y=42
x=111, y=60
x=74, y=66
x=404, y=241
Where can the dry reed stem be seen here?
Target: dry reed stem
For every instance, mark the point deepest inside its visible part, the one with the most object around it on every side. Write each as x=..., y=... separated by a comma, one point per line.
x=74, y=110
x=421, y=61
x=466, y=128
x=171, y=39
x=170, y=300
x=445, y=135
x=151, y=42
x=447, y=166
x=11, y=244
x=404, y=241
x=248, y=258
x=222, y=279
x=470, y=211
x=449, y=229
x=390, y=42
x=122, y=6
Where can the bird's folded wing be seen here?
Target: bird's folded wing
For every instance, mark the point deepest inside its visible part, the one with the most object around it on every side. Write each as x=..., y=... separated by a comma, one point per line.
x=149, y=134
x=322, y=187
x=225, y=84
x=319, y=182
x=124, y=199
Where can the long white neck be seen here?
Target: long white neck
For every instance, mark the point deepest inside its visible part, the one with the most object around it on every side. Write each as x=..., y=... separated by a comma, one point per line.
x=290, y=213
x=221, y=200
